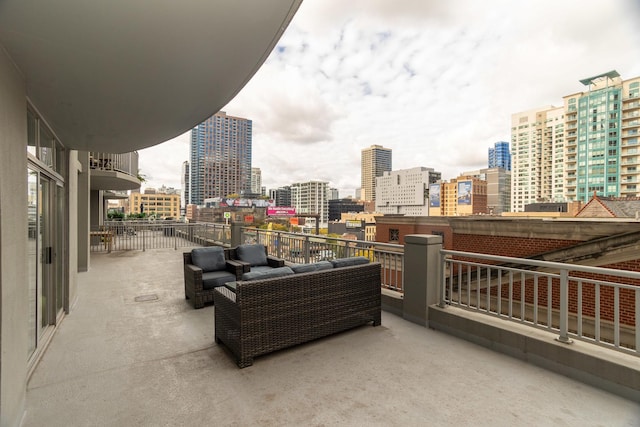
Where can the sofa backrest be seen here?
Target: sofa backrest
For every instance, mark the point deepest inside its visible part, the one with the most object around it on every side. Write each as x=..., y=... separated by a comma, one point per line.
x=297, y=287
x=254, y=254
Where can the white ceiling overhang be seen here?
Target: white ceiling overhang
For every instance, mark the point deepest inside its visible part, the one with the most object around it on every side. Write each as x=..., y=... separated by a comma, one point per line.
x=122, y=75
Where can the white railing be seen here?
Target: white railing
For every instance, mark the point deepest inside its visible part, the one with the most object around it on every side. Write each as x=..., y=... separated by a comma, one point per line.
x=142, y=235
x=594, y=304
x=124, y=162
x=306, y=248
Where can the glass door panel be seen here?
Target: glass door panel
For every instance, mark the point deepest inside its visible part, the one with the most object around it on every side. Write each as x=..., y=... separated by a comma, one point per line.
x=58, y=256
x=33, y=260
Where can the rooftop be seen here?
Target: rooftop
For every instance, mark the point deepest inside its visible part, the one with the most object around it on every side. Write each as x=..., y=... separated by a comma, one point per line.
x=116, y=360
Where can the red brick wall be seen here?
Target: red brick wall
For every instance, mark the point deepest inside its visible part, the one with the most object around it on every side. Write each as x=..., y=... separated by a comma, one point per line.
x=517, y=247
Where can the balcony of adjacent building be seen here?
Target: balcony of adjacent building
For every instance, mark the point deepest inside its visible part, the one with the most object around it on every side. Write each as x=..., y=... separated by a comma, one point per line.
x=116, y=172
x=135, y=352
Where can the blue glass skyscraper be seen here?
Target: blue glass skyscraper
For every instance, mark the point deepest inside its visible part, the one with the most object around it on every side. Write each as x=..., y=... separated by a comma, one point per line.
x=500, y=156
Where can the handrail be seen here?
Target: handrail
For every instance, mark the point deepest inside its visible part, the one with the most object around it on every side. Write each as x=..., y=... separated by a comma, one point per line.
x=595, y=304
x=307, y=248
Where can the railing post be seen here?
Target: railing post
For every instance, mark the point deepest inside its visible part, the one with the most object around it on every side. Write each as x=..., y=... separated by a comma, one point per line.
x=307, y=249
x=564, y=307
x=236, y=234
x=443, y=282
x=421, y=276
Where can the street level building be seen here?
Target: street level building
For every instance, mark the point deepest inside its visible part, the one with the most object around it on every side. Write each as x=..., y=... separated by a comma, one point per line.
x=155, y=204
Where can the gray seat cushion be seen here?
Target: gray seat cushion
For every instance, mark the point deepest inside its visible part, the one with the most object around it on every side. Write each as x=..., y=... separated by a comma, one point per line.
x=208, y=259
x=253, y=254
x=347, y=262
x=272, y=272
x=214, y=279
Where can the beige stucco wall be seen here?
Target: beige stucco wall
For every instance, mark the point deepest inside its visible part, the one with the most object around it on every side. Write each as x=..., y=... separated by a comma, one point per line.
x=13, y=243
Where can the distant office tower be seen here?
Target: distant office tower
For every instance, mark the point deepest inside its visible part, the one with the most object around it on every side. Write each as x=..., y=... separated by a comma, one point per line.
x=333, y=194
x=588, y=145
x=311, y=198
x=184, y=181
x=375, y=161
x=256, y=181
x=405, y=191
x=499, y=156
x=220, y=157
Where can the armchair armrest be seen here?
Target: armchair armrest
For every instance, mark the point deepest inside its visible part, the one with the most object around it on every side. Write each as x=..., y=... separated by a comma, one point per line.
x=193, y=275
x=275, y=262
x=237, y=268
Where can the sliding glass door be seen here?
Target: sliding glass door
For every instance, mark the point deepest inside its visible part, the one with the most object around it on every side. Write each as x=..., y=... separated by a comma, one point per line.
x=45, y=250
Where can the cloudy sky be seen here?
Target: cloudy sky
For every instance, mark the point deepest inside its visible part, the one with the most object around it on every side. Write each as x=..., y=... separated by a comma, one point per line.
x=434, y=81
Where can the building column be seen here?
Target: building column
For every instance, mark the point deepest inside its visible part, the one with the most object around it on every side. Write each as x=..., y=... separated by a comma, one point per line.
x=421, y=276
x=82, y=184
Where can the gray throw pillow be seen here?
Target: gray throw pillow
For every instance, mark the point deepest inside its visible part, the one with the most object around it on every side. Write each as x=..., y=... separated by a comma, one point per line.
x=253, y=254
x=210, y=258
x=303, y=268
x=347, y=262
x=323, y=265
x=274, y=272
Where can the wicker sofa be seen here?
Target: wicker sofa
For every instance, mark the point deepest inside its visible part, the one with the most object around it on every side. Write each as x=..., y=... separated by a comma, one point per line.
x=264, y=315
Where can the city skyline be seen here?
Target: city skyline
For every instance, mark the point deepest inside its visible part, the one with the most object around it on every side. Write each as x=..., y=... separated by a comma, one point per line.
x=436, y=83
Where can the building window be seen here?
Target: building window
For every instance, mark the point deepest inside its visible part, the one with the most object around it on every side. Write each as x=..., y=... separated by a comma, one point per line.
x=394, y=235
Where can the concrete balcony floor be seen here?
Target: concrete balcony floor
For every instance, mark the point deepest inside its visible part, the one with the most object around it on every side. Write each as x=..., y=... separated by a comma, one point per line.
x=116, y=361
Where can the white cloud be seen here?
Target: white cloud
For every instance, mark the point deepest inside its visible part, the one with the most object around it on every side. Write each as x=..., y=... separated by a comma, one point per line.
x=435, y=81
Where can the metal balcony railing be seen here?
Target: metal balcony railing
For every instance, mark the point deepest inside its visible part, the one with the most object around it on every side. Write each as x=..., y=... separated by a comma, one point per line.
x=125, y=162
x=143, y=234
x=599, y=305
x=306, y=248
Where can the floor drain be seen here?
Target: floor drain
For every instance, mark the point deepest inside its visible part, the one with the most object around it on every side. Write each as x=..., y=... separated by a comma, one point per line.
x=143, y=298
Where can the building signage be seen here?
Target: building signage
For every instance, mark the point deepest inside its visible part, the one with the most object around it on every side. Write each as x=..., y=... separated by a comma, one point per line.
x=434, y=195
x=281, y=211
x=464, y=192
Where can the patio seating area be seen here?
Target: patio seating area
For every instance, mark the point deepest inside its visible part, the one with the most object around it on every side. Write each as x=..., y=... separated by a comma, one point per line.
x=133, y=351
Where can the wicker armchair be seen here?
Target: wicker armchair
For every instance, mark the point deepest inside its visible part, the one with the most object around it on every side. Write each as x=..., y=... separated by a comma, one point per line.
x=200, y=282
x=254, y=257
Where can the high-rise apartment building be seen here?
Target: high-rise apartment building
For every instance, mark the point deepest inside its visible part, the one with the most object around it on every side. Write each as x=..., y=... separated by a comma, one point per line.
x=537, y=156
x=587, y=146
x=256, y=181
x=311, y=198
x=500, y=156
x=405, y=191
x=375, y=161
x=603, y=126
x=220, y=157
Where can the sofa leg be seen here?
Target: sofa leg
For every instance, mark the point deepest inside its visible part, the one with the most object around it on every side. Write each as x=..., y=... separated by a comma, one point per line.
x=246, y=362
